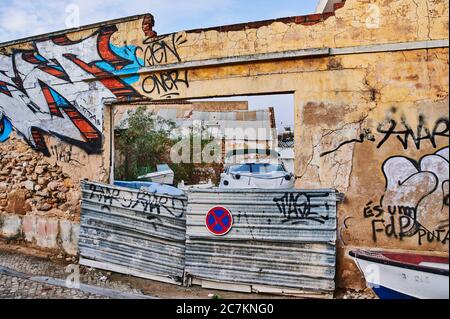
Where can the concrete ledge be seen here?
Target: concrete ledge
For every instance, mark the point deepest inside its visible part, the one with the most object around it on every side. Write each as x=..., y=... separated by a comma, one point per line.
x=47, y=233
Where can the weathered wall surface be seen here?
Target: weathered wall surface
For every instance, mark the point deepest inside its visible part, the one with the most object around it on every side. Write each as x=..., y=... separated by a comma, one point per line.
x=388, y=152
x=372, y=125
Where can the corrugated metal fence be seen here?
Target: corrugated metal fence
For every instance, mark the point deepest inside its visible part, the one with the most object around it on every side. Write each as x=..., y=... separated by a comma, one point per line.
x=133, y=232
x=282, y=239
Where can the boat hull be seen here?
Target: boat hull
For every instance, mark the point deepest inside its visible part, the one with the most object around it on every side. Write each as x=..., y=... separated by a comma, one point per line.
x=390, y=279
x=393, y=282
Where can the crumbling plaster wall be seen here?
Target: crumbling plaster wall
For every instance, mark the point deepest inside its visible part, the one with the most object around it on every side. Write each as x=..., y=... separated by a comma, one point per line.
x=358, y=22
x=394, y=132
x=345, y=112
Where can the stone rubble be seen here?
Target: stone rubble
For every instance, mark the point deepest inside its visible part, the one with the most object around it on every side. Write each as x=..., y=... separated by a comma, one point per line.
x=354, y=294
x=30, y=185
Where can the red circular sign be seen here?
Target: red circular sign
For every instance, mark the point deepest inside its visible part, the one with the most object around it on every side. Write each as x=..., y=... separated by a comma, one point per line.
x=219, y=221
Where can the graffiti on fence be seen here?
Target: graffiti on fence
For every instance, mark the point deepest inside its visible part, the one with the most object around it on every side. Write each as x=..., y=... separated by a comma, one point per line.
x=298, y=207
x=141, y=200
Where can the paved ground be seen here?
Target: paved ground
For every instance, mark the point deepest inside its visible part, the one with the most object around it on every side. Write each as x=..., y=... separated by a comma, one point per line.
x=44, y=276
x=19, y=288
x=29, y=273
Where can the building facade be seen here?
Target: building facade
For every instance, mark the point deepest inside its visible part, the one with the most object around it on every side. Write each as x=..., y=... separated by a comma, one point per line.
x=370, y=80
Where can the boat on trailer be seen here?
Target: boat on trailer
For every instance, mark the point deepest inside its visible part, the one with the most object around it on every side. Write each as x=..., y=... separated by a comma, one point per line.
x=393, y=275
x=255, y=169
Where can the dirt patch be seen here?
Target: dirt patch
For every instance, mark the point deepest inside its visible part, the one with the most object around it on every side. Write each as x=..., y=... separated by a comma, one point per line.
x=354, y=294
x=29, y=251
x=165, y=291
x=17, y=202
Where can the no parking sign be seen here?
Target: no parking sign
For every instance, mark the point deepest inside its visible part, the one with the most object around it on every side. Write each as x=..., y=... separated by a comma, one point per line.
x=219, y=221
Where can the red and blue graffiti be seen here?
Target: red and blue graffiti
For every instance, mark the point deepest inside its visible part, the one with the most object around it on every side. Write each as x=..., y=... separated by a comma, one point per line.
x=5, y=129
x=46, y=91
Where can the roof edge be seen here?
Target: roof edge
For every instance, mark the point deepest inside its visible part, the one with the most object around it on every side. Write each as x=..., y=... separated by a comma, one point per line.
x=308, y=19
x=81, y=28
x=327, y=5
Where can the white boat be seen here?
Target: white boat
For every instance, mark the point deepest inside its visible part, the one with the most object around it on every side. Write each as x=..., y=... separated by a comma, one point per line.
x=404, y=276
x=164, y=175
x=264, y=171
x=204, y=185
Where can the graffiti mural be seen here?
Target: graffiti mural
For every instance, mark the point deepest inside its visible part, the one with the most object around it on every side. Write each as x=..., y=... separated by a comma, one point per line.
x=43, y=91
x=416, y=199
x=5, y=128
x=56, y=89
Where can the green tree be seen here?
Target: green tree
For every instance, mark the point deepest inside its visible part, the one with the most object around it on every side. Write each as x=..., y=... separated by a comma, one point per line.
x=145, y=140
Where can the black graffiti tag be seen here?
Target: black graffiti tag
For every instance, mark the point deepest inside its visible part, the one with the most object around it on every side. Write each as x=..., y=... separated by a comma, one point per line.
x=163, y=50
x=143, y=201
x=165, y=84
x=296, y=207
x=404, y=132
x=400, y=222
x=102, y=194
x=160, y=49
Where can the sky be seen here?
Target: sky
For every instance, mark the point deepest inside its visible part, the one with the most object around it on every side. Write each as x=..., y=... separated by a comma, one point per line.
x=23, y=18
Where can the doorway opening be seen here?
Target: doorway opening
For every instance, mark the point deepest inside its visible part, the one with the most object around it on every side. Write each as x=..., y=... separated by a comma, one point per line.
x=194, y=138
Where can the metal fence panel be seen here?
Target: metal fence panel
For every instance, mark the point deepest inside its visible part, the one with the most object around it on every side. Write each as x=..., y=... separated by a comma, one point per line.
x=130, y=229
x=279, y=238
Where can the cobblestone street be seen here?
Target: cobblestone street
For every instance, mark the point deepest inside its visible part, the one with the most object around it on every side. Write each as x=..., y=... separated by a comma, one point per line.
x=28, y=277
x=43, y=276
x=20, y=288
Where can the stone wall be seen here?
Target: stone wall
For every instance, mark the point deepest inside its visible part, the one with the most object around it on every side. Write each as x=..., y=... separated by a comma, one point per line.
x=56, y=235
x=30, y=184
x=39, y=203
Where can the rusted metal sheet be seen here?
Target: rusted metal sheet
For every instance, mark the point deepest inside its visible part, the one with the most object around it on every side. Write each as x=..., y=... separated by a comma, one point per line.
x=282, y=239
x=133, y=231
